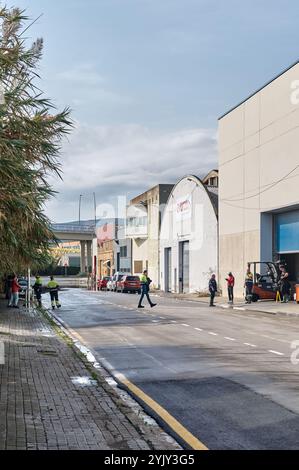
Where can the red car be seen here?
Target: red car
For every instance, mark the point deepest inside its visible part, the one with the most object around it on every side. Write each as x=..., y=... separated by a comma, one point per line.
x=129, y=284
x=102, y=283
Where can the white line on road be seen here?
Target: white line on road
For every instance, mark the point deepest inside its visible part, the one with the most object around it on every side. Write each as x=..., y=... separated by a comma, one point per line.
x=212, y=333
x=155, y=321
x=198, y=329
x=229, y=339
x=173, y=321
x=276, y=352
x=249, y=344
x=184, y=324
x=162, y=318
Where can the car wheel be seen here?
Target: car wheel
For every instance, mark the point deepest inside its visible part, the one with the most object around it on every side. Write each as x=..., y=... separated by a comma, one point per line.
x=254, y=298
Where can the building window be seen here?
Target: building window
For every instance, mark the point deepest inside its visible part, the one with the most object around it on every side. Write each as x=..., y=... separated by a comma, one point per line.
x=138, y=267
x=123, y=252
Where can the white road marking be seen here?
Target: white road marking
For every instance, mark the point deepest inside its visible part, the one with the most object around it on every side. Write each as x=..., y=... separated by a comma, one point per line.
x=249, y=344
x=173, y=321
x=229, y=339
x=276, y=352
x=155, y=321
x=184, y=324
x=198, y=329
x=162, y=318
x=212, y=333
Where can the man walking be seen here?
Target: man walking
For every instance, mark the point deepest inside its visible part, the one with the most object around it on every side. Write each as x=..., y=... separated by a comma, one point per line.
x=230, y=287
x=53, y=287
x=212, y=289
x=145, y=283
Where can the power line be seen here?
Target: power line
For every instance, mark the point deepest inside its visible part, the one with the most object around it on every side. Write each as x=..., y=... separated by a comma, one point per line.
x=263, y=191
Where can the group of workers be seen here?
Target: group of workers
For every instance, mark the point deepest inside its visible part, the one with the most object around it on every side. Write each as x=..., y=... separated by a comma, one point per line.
x=283, y=286
x=52, y=287
x=12, y=289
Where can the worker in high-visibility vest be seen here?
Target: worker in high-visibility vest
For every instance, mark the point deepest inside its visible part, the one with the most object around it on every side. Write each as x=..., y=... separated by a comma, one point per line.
x=53, y=288
x=248, y=286
x=145, y=283
x=38, y=290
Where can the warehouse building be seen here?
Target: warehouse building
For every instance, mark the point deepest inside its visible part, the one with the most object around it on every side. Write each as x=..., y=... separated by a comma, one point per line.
x=259, y=179
x=188, y=239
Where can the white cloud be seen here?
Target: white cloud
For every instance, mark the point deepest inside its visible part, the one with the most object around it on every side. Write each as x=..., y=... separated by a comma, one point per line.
x=128, y=159
x=84, y=74
x=83, y=85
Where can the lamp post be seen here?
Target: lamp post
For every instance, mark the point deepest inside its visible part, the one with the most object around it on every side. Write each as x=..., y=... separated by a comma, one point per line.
x=80, y=197
x=95, y=209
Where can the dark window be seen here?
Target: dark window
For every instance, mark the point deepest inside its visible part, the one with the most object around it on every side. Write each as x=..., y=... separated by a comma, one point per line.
x=132, y=278
x=123, y=252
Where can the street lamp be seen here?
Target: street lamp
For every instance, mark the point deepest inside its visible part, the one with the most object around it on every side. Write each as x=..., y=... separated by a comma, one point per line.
x=95, y=209
x=80, y=197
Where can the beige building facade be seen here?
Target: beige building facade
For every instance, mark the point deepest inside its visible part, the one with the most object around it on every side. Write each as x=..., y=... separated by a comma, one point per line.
x=144, y=215
x=259, y=179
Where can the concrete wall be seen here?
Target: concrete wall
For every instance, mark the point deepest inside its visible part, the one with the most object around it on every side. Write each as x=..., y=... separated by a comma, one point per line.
x=258, y=146
x=189, y=216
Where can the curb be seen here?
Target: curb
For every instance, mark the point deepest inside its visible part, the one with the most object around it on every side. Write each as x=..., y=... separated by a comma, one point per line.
x=240, y=308
x=137, y=409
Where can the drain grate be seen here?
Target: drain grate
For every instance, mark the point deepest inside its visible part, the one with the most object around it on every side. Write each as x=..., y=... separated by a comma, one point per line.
x=47, y=352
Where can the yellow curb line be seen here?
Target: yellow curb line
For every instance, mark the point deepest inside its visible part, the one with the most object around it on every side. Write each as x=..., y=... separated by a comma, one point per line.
x=178, y=428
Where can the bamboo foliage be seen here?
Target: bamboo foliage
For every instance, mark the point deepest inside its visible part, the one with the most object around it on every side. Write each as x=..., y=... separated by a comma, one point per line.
x=31, y=133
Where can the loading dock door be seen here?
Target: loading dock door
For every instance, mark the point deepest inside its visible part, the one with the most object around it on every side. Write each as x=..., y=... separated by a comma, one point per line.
x=184, y=267
x=168, y=269
x=287, y=232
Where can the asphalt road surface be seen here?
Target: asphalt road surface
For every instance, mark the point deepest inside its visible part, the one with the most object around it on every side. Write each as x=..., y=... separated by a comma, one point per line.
x=226, y=376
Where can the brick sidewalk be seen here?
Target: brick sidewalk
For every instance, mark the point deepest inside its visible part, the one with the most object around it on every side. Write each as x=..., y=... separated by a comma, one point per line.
x=42, y=405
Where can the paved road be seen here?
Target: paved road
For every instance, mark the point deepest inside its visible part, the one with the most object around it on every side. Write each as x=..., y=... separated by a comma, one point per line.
x=226, y=376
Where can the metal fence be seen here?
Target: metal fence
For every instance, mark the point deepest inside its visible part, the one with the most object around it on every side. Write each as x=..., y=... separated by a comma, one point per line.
x=73, y=228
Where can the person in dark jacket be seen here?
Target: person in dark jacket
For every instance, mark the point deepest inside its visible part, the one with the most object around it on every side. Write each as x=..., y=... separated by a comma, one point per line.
x=8, y=284
x=284, y=285
x=212, y=289
x=145, y=287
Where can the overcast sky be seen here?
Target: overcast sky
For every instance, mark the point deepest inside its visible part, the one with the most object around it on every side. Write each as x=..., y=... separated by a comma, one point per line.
x=147, y=80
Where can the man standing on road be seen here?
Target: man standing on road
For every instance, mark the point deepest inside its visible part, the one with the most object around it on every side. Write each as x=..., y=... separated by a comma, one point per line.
x=230, y=287
x=248, y=286
x=212, y=289
x=284, y=285
x=53, y=288
x=145, y=283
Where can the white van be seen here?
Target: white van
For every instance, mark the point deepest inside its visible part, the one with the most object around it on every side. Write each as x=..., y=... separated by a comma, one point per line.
x=115, y=279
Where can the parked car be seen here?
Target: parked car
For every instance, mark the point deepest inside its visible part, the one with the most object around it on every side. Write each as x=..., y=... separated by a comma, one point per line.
x=115, y=279
x=23, y=283
x=102, y=282
x=129, y=284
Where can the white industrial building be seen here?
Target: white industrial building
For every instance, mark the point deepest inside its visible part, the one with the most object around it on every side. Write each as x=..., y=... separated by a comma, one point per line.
x=259, y=179
x=189, y=235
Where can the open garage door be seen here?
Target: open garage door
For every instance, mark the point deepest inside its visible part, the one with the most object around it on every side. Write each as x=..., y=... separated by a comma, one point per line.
x=287, y=241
